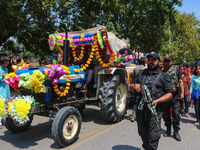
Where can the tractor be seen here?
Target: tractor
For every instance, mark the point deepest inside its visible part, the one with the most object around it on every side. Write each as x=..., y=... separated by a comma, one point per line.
x=110, y=93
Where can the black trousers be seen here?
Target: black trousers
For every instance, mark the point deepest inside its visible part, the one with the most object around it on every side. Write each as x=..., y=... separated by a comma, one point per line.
x=197, y=111
x=148, y=129
x=136, y=98
x=176, y=109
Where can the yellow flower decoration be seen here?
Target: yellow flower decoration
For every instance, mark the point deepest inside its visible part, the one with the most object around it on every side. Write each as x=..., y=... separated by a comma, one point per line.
x=2, y=108
x=10, y=108
x=8, y=75
x=22, y=108
x=37, y=81
x=19, y=108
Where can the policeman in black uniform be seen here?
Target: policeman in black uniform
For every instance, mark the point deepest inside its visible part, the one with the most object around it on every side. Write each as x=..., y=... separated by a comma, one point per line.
x=177, y=83
x=161, y=91
x=134, y=98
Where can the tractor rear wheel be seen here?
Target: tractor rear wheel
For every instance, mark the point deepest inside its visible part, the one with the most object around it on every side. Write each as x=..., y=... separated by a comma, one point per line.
x=113, y=98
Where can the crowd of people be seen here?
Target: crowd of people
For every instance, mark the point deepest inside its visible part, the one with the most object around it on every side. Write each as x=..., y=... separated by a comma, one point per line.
x=22, y=63
x=173, y=88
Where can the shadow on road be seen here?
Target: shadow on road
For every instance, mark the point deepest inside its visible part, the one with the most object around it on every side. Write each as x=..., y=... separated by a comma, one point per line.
x=34, y=134
x=124, y=147
x=187, y=120
x=93, y=115
x=192, y=114
x=28, y=138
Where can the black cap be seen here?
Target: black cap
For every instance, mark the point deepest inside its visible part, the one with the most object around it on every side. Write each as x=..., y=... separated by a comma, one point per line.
x=168, y=58
x=154, y=55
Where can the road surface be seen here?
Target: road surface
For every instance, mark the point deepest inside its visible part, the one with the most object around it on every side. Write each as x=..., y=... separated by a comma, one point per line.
x=97, y=134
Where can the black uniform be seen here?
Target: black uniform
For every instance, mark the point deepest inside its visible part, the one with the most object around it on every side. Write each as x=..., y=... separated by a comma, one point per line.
x=147, y=127
x=176, y=108
x=135, y=94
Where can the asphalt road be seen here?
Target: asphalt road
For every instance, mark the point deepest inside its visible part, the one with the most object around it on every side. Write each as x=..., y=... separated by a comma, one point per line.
x=97, y=134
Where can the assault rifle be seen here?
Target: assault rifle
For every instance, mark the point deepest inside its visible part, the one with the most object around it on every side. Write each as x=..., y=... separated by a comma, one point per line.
x=147, y=98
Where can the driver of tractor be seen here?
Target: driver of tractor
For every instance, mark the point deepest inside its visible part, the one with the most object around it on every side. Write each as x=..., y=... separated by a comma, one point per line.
x=89, y=75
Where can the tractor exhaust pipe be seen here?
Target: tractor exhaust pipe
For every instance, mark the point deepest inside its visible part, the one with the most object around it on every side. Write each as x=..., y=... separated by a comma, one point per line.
x=66, y=48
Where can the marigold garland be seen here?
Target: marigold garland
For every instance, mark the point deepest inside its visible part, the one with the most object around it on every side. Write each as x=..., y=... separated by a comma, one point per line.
x=66, y=90
x=128, y=79
x=81, y=54
x=82, y=36
x=88, y=61
x=98, y=57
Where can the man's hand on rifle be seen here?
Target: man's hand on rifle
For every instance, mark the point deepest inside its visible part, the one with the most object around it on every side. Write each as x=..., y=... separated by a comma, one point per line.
x=137, y=87
x=154, y=103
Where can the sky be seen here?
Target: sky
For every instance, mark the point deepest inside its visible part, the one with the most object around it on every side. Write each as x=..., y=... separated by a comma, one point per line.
x=190, y=6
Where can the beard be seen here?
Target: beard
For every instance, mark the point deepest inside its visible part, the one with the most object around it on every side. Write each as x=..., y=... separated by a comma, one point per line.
x=152, y=67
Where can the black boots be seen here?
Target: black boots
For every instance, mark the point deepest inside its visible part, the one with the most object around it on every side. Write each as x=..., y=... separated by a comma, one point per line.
x=167, y=133
x=177, y=136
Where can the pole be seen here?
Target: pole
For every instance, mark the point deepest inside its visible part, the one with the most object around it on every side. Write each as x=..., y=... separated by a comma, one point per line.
x=66, y=48
x=169, y=42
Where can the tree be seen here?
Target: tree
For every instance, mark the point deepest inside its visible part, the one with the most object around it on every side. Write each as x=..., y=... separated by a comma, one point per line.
x=184, y=39
x=31, y=22
x=142, y=21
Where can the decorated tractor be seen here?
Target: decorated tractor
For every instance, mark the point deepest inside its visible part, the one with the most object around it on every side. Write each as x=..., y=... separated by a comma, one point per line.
x=60, y=90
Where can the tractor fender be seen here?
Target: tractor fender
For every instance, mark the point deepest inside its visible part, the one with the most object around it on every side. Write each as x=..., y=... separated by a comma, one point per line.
x=113, y=71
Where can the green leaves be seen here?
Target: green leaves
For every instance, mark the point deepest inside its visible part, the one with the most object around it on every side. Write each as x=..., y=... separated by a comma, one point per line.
x=184, y=38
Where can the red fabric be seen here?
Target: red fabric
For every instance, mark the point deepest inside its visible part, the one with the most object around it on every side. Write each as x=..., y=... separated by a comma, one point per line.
x=108, y=44
x=171, y=112
x=187, y=70
x=186, y=84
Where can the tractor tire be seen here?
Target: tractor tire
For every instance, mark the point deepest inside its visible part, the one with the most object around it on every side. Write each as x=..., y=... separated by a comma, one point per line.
x=113, y=98
x=66, y=126
x=14, y=126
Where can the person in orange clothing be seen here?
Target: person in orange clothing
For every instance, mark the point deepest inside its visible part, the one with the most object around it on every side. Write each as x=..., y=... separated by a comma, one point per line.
x=25, y=63
x=21, y=64
x=15, y=66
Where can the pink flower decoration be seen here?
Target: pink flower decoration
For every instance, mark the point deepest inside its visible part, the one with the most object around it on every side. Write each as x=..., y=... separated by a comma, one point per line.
x=13, y=82
x=126, y=52
x=92, y=38
x=55, y=73
x=60, y=41
x=62, y=34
